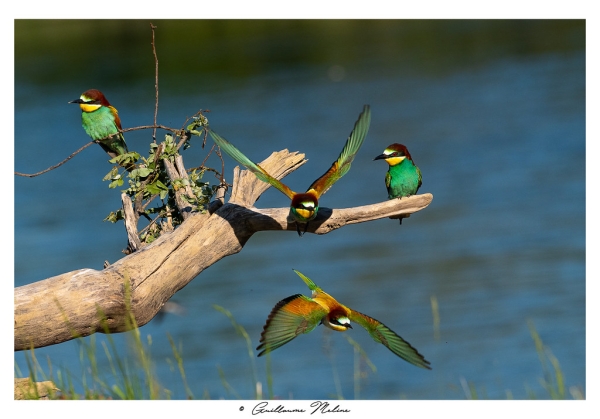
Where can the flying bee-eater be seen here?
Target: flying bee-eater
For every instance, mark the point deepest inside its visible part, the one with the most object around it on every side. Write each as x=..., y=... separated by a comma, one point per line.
x=300, y=314
x=403, y=177
x=304, y=206
x=101, y=122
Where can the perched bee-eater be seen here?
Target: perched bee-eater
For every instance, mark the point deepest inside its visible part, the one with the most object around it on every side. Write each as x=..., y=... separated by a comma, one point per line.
x=403, y=177
x=300, y=314
x=101, y=121
x=304, y=206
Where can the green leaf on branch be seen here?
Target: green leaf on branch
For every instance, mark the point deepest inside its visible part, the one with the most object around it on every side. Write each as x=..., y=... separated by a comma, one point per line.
x=125, y=159
x=116, y=183
x=141, y=172
x=115, y=216
x=114, y=172
x=157, y=188
x=199, y=121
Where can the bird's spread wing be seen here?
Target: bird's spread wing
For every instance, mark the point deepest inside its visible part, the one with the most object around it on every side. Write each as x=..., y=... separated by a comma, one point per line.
x=342, y=164
x=383, y=334
x=313, y=287
x=289, y=318
x=253, y=167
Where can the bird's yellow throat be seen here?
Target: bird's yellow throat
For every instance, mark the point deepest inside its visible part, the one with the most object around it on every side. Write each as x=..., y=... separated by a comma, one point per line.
x=87, y=107
x=392, y=161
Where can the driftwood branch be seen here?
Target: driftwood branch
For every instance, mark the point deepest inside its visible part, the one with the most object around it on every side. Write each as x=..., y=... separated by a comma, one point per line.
x=86, y=301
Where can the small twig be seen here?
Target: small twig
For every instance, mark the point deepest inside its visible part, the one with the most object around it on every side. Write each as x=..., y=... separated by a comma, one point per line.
x=218, y=151
x=155, y=80
x=184, y=138
x=153, y=221
x=205, y=132
x=143, y=209
x=56, y=165
x=222, y=165
x=209, y=153
x=174, y=130
x=204, y=168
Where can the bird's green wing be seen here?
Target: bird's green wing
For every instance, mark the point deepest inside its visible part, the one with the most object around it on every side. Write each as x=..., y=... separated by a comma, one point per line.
x=253, y=167
x=114, y=145
x=383, y=334
x=289, y=318
x=313, y=287
x=342, y=164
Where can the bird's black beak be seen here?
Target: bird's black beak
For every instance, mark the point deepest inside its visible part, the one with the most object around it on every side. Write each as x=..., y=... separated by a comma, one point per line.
x=349, y=326
x=75, y=101
x=381, y=157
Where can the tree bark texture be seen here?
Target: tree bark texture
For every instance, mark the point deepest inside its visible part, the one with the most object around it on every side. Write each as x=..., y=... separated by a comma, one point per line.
x=86, y=301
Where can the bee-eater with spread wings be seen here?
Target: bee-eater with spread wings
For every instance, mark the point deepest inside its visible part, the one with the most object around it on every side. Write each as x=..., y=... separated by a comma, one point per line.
x=300, y=314
x=304, y=206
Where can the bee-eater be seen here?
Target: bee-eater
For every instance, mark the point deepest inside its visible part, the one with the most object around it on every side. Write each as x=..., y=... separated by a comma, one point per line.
x=403, y=177
x=304, y=206
x=300, y=314
x=101, y=121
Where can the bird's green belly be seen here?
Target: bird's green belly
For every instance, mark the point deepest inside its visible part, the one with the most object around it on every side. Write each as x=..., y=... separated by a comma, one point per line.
x=98, y=125
x=399, y=189
x=402, y=181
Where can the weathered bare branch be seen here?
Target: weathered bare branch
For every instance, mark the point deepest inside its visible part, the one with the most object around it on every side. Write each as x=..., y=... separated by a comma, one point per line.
x=175, y=174
x=246, y=189
x=130, y=219
x=60, y=308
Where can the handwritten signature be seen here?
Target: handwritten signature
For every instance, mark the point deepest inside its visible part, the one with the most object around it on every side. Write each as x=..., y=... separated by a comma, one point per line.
x=317, y=407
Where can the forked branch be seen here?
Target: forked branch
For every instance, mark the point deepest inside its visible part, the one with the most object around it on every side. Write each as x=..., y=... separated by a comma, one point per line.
x=86, y=301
